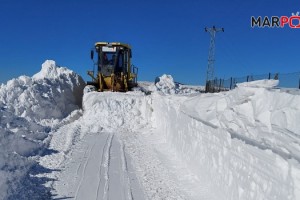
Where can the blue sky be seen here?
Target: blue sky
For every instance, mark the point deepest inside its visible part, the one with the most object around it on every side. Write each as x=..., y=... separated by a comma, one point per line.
x=167, y=36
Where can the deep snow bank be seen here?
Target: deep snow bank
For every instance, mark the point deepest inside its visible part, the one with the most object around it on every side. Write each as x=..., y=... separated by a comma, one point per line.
x=52, y=93
x=252, y=111
x=29, y=107
x=244, y=142
x=113, y=111
x=260, y=84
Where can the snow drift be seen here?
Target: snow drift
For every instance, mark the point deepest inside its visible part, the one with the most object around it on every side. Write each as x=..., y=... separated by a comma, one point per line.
x=112, y=111
x=52, y=93
x=29, y=108
x=244, y=142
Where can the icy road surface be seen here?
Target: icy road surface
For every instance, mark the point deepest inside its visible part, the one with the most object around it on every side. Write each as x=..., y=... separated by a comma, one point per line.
x=98, y=169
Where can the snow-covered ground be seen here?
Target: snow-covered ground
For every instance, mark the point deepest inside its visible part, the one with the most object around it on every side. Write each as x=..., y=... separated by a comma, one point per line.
x=162, y=141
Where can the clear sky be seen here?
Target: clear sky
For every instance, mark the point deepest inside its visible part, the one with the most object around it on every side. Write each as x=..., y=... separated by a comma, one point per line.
x=167, y=36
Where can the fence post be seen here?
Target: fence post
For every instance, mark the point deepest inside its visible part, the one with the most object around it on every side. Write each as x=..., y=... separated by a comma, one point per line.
x=247, y=78
x=215, y=85
x=269, y=76
x=299, y=82
x=230, y=83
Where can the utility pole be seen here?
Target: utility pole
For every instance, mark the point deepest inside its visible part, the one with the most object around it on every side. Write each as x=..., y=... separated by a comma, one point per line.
x=211, y=56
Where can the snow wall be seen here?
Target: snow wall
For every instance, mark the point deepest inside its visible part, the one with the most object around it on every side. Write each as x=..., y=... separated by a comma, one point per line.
x=30, y=107
x=243, y=142
x=114, y=111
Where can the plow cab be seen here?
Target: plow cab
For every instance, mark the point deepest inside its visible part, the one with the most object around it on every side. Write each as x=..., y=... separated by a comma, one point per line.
x=114, y=71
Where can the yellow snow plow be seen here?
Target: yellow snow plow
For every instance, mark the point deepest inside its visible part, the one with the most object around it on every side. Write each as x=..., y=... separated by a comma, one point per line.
x=114, y=71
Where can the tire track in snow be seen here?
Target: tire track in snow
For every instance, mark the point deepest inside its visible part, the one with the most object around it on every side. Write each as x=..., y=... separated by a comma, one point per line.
x=80, y=165
x=127, y=184
x=96, y=169
x=106, y=167
x=100, y=167
x=84, y=170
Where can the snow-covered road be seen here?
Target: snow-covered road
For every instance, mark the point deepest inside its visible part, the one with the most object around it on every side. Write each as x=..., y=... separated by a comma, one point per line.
x=98, y=169
x=99, y=166
x=118, y=154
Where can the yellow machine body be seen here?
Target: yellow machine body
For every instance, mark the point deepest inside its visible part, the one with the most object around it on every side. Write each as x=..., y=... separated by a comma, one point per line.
x=114, y=70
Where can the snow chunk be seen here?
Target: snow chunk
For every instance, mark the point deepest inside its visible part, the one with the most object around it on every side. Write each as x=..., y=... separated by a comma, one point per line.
x=166, y=84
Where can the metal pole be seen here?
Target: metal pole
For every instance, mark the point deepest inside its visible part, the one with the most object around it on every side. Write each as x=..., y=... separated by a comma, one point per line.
x=211, y=52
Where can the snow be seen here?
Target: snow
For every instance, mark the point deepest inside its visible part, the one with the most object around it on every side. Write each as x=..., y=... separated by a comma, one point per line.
x=165, y=85
x=233, y=140
x=164, y=140
x=114, y=111
x=52, y=93
x=260, y=84
x=29, y=108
